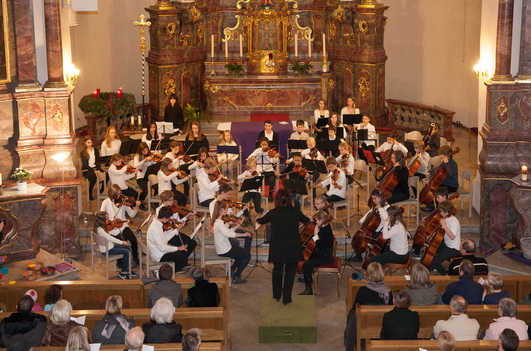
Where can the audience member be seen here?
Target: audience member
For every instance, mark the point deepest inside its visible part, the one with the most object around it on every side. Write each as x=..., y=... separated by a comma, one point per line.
x=466, y=286
x=134, y=339
x=56, y=334
x=53, y=294
x=112, y=328
x=19, y=344
x=461, y=327
x=162, y=328
x=23, y=324
x=78, y=340
x=468, y=250
x=446, y=341
x=422, y=291
x=507, y=310
x=37, y=307
x=495, y=285
x=203, y=293
x=400, y=323
x=508, y=340
x=192, y=340
x=166, y=287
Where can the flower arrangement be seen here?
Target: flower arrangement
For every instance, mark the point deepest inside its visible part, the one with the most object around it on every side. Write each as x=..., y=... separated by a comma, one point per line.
x=108, y=104
x=235, y=66
x=22, y=175
x=301, y=67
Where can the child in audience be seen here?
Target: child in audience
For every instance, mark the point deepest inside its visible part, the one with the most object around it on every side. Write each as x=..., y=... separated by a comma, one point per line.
x=142, y=161
x=337, y=187
x=37, y=307
x=203, y=293
x=208, y=188
x=495, y=285
x=265, y=164
x=227, y=161
x=111, y=144
x=269, y=133
x=251, y=195
x=115, y=244
x=119, y=174
x=53, y=295
x=168, y=178
x=90, y=165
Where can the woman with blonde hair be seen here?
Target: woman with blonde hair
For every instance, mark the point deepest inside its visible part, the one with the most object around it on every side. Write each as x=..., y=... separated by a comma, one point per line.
x=446, y=341
x=112, y=328
x=111, y=144
x=56, y=333
x=78, y=340
x=227, y=161
x=422, y=291
x=195, y=139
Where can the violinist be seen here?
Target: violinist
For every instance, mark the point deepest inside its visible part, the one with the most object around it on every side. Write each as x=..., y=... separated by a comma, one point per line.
x=337, y=181
x=451, y=181
x=392, y=143
x=311, y=153
x=269, y=133
x=158, y=241
x=142, y=161
x=293, y=173
x=323, y=252
x=197, y=167
x=251, y=195
x=208, y=188
x=227, y=161
x=116, y=210
x=119, y=173
x=265, y=163
x=115, y=246
x=433, y=141
x=175, y=154
x=395, y=230
x=340, y=129
x=169, y=177
x=195, y=139
x=346, y=161
x=452, y=237
x=423, y=157
x=223, y=245
x=401, y=190
x=151, y=136
x=91, y=165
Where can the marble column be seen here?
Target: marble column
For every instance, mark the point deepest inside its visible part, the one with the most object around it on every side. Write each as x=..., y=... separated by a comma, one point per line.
x=54, y=50
x=25, y=38
x=524, y=71
x=504, y=37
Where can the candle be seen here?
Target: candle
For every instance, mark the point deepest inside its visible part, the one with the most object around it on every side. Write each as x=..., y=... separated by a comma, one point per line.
x=119, y=93
x=324, y=45
x=241, y=46
x=212, y=44
x=139, y=120
x=309, y=48
x=524, y=173
x=226, y=47
x=95, y=94
x=296, y=45
x=0, y=178
x=120, y=89
x=132, y=120
x=98, y=90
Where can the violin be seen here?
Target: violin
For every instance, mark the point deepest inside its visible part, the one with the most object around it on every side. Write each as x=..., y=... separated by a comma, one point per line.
x=300, y=170
x=335, y=177
x=169, y=226
x=130, y=169
x=255, y=174
x=436, y=179
x=273, y=153
x=180, y=173
x=214, y=176
x=181, y=210
x=187, y=158
x=427, y=136
x=157, y=158
x=308, y=244
x=229, y=219
x=238, y=204
x=344, y=161
x=313, y=153
x=124, y=200
x=117, y=223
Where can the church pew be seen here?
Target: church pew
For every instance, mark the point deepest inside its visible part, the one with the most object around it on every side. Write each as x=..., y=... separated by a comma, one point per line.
x=516, y=285
x=431, y=345
x=92, y=294
x=369, y=318
x=205, y=346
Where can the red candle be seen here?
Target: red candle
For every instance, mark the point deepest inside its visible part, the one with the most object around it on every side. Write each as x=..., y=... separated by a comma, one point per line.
x=95, y=94
x=98, y=90
x=119, y=94
x=120, y=90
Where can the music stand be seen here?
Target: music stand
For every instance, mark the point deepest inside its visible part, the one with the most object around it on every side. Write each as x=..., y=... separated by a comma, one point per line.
x=362, y=134
x=297, y=144
x=253, y=183
x=228, y=150
x=164, y=128
x=332, y=147
x=295, y=186
x=314, y=166
x=374, y=157
x=351, y=119
x=322, y=122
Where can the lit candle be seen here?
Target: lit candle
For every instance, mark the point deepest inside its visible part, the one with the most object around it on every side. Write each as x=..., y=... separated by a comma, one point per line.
x=324, y=45
x=524, y=173
x=119, y=93
x=95, y=94
x=0, y=178
x=98, y=90
x=212, y=41
x=132, y=120
x=120, y=89
x=226, y=47
x=139, y=120
x=310, y=48
x=296, y=45
x=241, y=46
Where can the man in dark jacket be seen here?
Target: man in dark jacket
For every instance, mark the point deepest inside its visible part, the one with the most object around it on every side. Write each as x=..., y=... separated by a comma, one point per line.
x=466, y=286
x=468, y=250
x=166, y=288
x=23, y=323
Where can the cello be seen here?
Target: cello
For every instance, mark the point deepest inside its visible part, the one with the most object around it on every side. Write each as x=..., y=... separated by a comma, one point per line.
x=436, y=179
x=414, y=166
x=308, y=244
x=386, y=186
x=364, y=234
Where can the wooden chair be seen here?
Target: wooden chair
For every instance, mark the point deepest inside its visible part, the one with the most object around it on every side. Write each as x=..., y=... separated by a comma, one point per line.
x=331, y=268
x=390, y=268
x=98, y=240
x=145, y=259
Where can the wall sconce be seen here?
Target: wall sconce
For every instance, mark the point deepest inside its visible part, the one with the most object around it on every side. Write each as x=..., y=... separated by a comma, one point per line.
x=482, y=72
x=71, y=75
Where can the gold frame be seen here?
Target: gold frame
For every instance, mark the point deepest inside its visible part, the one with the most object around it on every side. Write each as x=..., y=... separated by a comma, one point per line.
x=12, y=228
x=6, y=42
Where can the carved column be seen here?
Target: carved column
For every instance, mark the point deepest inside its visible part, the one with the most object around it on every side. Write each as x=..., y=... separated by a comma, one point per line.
x=524, y=71
x=25, y=38
x=54, y=49
x=504, y=37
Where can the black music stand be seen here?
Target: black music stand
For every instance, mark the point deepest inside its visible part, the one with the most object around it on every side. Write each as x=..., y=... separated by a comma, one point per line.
x=297, y=144
x=332, y=147
x=228, y=150
x=295, y=186
x=374, y=157
x=322, y=122
x=314, y=165
x=253, y=183
x=351, y=120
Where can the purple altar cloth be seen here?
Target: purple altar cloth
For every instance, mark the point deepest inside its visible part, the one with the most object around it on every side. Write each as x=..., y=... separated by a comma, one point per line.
x=246, y=134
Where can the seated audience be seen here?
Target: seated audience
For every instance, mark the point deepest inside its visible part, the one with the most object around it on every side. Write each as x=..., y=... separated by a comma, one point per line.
x=507, y=310
x=400, y=323
x=134, y=339
x=467, y=250
x=37, y=307
x=446, y=341
x=112, y=328
x=422, y=291
x=508, y=340
x=56, y=334
x=166, y=287
x=203, y=293
x=461, y=327
x=53, y=294
x=192, y=340
x=466, y=286
x=19, y=344
x=78, y=340
x=23, y=324
x=495, y=285
x=162, y=328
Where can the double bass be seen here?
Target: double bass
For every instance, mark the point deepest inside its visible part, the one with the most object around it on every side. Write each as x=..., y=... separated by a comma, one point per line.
x=436, y=179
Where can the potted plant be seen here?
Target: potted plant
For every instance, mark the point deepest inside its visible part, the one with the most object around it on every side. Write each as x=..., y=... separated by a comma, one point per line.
x=22, y=175
x=301, y=67
x=235, y=66
x=194, y=114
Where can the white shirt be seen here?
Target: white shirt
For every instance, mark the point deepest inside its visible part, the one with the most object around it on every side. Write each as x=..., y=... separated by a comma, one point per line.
x=306, y=154
x=345, y=111
x=317, y=114
x=453, y=224
x=176, y=162
x=164, y=180
x=175, y=215
x=371, y=134
x=461, y=327
x=148, y=142
x=341, y=180
x=223, y=157
x=269, y=135
x=222, y=233
x=244, y=176
x=113, y=149
x=92, y=159
x=111, y=237
x=207, y=188
x=141, y=165
x=157, y=240
x=195, y=168
x=398, y=236
x=119, y=176
x=264, y=163
x=350, y=165
x=299, y=136
x=117, y=212
x=383, y=217
x=386, y=146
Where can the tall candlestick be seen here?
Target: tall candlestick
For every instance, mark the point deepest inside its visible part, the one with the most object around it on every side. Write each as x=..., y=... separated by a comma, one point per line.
x=139, y=120
x=524, y=173
x=226, y=47
x=212, y=42
x=324, y=45
x=296, y=45
x=309, y=48
x=241, y=46
x=132, y=120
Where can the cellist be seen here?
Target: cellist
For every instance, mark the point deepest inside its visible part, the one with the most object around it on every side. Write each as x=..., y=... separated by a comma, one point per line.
x=323, y=252
x=452, y=237
x=392, y=143
x=423, y=157
x=401, y=190
x=395, y=230
x=451, y=181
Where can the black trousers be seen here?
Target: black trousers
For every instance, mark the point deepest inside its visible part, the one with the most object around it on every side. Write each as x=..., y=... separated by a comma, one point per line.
x=179, y=258
x=283, y=278
x=130, y=192
x=179, y=197
x=143, y=184
x=315, y=260
x=128, y=235
x=388, y=256
x=190, y=243
x=90, y=175
x=443, y=253
x=256, y=198
x=334, y=198
x=241, y=259
x=270, y=180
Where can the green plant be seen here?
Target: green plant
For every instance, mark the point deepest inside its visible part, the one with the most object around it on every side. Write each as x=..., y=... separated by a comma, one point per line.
x=301, y=67
x=22, y=175
x=235, y=66
x=192, y=113
x=108, y=104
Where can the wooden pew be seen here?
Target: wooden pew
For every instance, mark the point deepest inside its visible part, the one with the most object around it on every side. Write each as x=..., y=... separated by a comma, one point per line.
x=431, y=345
x=516, y=285
x=92, y=294
x=369, y=318
x=205, y=346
